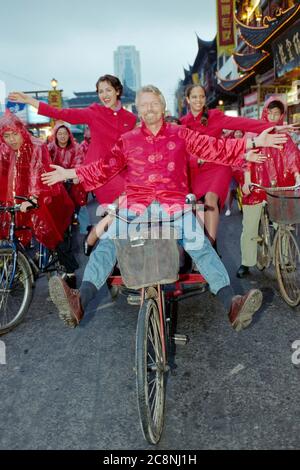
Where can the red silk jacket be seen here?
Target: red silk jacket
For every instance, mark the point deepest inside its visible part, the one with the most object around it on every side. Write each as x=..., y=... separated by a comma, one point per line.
x=157, y=165
x=106, y=127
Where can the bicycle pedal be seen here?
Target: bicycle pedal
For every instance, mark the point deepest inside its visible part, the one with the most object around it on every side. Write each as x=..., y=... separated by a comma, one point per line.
x=134, y=299
x=180, y=339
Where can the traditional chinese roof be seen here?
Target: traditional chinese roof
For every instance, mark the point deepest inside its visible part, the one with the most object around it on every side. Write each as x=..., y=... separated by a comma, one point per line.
x=204, y=48
x=86, y=98
x=247, y=62
x=256, y=37
x=229, y=85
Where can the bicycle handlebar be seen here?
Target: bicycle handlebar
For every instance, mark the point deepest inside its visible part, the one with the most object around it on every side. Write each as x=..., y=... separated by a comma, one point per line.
x=112, y=210
x=274, y=189
x=17, y=207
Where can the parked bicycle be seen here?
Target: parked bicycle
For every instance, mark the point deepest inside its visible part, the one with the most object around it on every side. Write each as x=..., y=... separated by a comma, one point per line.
x=150, y=263
x=18, y=271
x=276, y=239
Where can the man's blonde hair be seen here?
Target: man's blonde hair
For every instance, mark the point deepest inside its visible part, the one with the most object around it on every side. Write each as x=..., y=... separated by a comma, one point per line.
x=151, y=89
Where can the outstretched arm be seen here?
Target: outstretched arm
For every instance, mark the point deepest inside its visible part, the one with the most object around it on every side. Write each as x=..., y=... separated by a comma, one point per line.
x=73, y=116
x=95, y=174
x=249, y=125
x=227, y=151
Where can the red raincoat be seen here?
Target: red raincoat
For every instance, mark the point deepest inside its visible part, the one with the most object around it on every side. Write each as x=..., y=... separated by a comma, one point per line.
x=210, y=177
x=280, y=166
x=157, y=165
x=68, y=157
x=106, y=127
x=20, y=175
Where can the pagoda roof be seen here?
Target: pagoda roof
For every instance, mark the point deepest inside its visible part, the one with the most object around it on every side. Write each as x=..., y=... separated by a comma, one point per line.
x=204, y=48
x=229, y=85
x=247, y=62
x=258, y=36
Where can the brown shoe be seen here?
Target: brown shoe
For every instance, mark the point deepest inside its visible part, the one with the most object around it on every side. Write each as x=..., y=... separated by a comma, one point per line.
x=243, y=308
x=66, y=300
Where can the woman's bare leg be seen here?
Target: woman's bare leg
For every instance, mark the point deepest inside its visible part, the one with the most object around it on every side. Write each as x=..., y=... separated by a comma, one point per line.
x=211, y=216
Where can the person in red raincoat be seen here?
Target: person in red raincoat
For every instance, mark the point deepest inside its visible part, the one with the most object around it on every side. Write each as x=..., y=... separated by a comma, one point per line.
x=84, y=146
x=211, y=181
x=281, y=168
x=83, y=215
x=107, y=123
x=23, y=159
x=65, y=152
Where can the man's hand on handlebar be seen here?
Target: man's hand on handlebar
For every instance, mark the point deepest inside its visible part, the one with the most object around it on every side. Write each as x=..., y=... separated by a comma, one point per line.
x=28, y=205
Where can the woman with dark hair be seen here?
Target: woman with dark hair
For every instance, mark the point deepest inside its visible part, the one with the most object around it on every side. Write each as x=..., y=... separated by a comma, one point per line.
x=107, y=123
x=210, y=181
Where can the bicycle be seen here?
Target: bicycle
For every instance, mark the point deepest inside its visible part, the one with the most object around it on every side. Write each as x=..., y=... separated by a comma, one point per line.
x=18, y=271
x=152, y=265
x=276, y=242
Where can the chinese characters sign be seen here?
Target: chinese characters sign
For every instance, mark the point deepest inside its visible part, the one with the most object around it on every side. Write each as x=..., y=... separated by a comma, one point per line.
x=286, y=51
x=226, y=29
x=55, y=100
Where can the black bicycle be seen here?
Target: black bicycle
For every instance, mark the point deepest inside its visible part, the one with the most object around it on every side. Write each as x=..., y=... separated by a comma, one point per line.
x=18, y=271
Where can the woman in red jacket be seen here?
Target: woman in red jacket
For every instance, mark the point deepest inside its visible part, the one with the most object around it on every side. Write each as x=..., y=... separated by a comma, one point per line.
x=211, y=181
x=107, y=123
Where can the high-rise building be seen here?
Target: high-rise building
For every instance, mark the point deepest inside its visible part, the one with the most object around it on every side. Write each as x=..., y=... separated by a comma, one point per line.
x=127, y=66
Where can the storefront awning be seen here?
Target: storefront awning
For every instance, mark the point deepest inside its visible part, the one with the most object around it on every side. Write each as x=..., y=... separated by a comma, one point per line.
x=247, y=62
x=257, y=37
x=229, y=85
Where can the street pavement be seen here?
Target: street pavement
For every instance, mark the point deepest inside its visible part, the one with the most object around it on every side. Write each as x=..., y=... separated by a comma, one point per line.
x=67, y=388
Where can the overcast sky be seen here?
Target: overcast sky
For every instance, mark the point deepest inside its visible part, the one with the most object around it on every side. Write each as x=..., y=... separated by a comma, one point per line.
x=74, y=40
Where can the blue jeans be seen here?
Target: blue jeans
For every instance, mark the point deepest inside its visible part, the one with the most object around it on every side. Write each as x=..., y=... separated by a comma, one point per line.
x=83, y=219
x=190, y=233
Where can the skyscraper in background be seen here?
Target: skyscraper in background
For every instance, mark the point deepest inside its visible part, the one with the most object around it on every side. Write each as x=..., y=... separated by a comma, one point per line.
x=127, y=66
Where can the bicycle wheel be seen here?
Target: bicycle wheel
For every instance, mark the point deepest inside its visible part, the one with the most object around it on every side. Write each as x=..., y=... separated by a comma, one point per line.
x=15, y=289
x=150, y=372
x=264, y=254
x=287, y=264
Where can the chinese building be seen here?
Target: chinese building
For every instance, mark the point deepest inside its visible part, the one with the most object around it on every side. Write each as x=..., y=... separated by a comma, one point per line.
x=203, y=71
x=267, y=55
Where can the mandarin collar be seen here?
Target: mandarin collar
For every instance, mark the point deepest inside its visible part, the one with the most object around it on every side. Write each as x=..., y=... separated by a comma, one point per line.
x=161, y=131
x=113, y=111
x=197, y=117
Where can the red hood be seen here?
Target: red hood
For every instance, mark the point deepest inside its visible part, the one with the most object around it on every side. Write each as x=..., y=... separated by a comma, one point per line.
x=9, y=122
x=54, y=133
x=264, y=116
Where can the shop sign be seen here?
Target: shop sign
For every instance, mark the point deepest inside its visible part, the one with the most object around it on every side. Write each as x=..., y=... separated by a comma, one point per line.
x=250, y=99
x=225, y=27
x=286, y=51
x=250, y=111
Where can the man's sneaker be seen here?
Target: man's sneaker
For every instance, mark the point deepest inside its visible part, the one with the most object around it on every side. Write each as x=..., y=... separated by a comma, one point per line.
x=243, y=307
x=228, y=213
x=66, y=300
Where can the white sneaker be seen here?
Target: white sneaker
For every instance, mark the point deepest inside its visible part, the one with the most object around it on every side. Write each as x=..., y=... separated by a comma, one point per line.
x=228, y=212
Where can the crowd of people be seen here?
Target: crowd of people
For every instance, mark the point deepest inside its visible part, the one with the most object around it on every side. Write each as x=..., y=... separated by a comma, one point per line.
x=148, y=168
